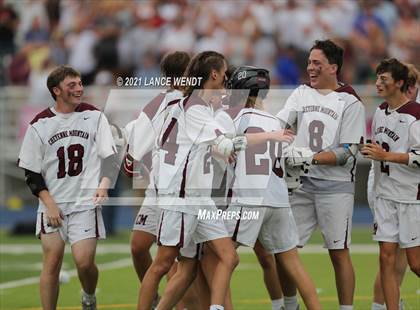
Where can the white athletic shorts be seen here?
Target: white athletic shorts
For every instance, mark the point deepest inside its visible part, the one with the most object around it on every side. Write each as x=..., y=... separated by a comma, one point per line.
x=192, y=250
x=177, y=228
x=331, y=212
x=76, y=226
x=275, y=228
x=148, y=216
x=396, y=222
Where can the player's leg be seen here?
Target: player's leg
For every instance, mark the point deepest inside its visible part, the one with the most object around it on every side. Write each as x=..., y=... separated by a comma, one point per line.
x=271, y=279
x=207, y=265
x=303, y=208
x=413, y=258
x=141, y=243
x=179, y=283
x=143, y=236
x=85, y=227
x=84, y=258
x=228, y=260
x=215, y=232
x=279, y=235
x=378, y=294
x=387, y=260
x=293, y=266
x=386, y=232
x=160, y=266
x=203, y=290
x=53, y=251
x=409, y=216
x=335, y=212
x=172, y=225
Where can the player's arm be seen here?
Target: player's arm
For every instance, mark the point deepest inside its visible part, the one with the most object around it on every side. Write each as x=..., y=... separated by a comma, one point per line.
x=141, y=140
x=411, y=158
x=36, y=184
x=376, y=152
x=30, y=159
x=288, y=115
x=110, y=164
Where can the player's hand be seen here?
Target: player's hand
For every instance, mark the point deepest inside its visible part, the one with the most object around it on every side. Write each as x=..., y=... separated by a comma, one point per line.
x=232, y=158
x=54, y=215
x=101, y=195
x=374, y=151
x=282, y=135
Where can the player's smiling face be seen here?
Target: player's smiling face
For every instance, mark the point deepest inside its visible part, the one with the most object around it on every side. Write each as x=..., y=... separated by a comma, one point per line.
x=320, y=71
x=71, y=90
x=386, y=86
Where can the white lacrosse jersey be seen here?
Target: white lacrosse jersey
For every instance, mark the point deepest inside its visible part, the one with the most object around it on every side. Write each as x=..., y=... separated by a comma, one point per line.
x=259, y=169
x=66, y=150
x=398, y=131
x=325, y=122
x=146, y=129
x=185, y=159
x=224, y=172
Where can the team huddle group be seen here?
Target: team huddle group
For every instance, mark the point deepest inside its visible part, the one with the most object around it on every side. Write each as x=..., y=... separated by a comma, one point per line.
x=215, y=147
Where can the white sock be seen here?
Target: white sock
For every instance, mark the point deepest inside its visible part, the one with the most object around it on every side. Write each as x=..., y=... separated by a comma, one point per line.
x=88, y=295
x=290, y=303
x=376, y=306
x=217, y=307
x=346, y=307
x=276, y=304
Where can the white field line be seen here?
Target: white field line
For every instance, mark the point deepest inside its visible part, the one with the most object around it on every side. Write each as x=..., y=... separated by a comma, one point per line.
x=122, y=248
x=121, y=263
x=19, y=249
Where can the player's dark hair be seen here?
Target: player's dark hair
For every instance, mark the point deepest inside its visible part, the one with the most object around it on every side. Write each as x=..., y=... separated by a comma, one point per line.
x=174, y=64
x=58, y=75
x=332, y=52
x=397, y=69
x=201, y=66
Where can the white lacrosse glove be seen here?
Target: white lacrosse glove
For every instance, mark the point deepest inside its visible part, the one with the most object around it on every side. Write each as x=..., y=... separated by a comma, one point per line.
x=239, y=143
x=223, y=145
x=299, y=156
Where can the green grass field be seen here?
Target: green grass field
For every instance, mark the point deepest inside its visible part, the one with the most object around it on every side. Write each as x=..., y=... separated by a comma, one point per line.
x=118, y=285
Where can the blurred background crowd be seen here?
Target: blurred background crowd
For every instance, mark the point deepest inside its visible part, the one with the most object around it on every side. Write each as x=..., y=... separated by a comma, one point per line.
x=108, y=38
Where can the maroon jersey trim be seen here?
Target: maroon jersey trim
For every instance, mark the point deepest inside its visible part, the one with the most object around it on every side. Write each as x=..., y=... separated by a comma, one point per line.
x=160, y=229
x=192, y=101
x=96, y=224
x=153, y=106
x=412, y=108
x=85, y=107
x=233, y=112
x=347, y=232
x=235, y=232
x=184, y=178
x=346, y=88
x=47, y=113
x=42, y=224
x=260, y=114
x=181, y=235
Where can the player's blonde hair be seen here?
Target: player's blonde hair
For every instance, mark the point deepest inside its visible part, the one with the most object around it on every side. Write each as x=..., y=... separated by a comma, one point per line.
x=413, y=75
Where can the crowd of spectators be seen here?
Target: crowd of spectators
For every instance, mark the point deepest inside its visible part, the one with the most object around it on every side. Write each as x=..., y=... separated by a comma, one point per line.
x=105, y=39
